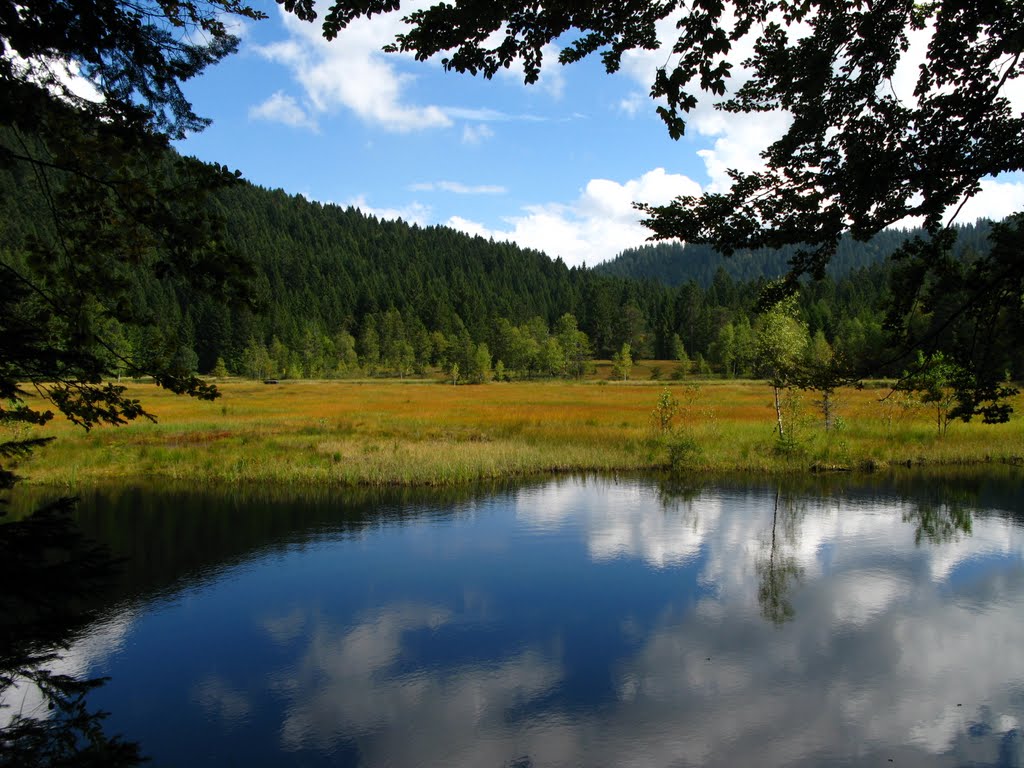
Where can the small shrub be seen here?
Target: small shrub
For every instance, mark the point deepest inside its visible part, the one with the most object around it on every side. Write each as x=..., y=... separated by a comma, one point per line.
x=665, y=411
x=788, y=446
x=683, y=450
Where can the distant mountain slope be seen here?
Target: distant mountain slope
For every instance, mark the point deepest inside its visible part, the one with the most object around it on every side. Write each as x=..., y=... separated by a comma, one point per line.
x=675, y=263
x=344, y=292
x=321, y=269
x=339, y=264
x=330, y=265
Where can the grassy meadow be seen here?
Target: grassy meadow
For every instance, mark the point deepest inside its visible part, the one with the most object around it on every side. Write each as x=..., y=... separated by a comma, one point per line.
x=417, y=432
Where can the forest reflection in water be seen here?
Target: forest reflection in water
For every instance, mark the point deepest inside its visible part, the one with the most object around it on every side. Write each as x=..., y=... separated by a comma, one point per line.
x=577, y=621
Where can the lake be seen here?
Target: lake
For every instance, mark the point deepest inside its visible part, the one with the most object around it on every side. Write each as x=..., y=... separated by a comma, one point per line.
x=581, y=621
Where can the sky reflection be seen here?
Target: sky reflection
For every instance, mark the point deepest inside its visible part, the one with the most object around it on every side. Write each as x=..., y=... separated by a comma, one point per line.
x=594, y=622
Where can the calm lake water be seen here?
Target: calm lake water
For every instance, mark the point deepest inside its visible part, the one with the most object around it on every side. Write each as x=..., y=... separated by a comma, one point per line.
x=573, y=622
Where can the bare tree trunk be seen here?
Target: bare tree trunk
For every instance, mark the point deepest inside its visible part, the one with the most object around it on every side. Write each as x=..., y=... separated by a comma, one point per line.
x=778, y=410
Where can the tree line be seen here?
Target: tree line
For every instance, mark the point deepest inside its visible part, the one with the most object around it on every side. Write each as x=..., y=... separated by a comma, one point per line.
x=340, y=293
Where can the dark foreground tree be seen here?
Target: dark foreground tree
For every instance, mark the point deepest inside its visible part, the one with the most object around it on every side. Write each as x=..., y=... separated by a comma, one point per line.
x=91, y=94
x=857, y=157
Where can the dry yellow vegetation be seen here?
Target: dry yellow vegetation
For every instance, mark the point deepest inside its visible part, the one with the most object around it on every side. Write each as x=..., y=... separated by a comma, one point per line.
x=426, y=432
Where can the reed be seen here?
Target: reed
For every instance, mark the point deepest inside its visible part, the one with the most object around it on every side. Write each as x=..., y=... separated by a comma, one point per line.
x=427, y=433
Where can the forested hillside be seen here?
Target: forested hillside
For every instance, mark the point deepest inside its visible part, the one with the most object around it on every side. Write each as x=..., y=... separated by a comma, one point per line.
x=341, y=293
x=406, y=296
x=675, y=263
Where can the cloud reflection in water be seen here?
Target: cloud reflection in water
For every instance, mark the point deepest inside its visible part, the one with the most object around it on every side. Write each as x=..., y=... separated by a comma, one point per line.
x=600, y=623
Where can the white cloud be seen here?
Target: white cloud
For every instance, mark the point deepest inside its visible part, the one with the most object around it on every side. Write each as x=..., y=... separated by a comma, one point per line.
x=472, y=228
x=740, y=138
x=905, y=78
x=908, y=70
x=481, y=114
x=282, y=108
x=632, y=104
x=222, y=702
x=1013, y=90
x=740, y=143
x=996, y=200
x=457, y=188
x=475, y=134
x=235, y=25
x=597, y=226
x=488, y=115
x=62, y=78
x=414, y=213
x=352, y=72
x=642, y=63
x=69, y=76
x=618, y=522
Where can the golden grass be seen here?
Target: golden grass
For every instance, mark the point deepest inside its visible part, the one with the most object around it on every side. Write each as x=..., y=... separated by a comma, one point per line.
x=420, y=432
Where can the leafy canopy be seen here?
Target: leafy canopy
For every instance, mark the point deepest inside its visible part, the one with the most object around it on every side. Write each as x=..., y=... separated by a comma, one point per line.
x=856, y=157
x=130, y=58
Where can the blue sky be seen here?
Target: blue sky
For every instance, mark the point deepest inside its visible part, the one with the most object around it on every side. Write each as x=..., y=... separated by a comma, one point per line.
x=553, y=166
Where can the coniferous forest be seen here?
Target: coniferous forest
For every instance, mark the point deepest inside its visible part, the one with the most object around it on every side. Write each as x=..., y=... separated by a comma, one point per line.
x=340, y=293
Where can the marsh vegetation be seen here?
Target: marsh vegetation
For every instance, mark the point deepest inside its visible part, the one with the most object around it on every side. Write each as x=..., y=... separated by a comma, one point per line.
x=420, y=432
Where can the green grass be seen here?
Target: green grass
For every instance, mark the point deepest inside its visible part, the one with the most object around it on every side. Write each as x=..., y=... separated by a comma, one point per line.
x=426, y=433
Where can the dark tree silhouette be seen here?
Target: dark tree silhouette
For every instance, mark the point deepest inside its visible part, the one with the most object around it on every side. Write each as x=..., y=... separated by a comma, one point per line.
x=92, y=95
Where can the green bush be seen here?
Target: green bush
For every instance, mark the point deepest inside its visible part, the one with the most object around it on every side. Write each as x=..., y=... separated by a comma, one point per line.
x=683, y=450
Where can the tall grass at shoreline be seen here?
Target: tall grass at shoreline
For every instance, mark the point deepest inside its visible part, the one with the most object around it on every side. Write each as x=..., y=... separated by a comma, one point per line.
x=427, y=433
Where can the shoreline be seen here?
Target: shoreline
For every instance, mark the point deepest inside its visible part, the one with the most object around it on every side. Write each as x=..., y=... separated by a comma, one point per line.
x=175, y=477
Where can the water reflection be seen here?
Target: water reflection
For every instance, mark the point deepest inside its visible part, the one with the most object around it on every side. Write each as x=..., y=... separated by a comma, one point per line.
x=779, y=570
x=939, y=522
x=346, y=687
x=580, y=621
x=48, y=571
x=620, y=520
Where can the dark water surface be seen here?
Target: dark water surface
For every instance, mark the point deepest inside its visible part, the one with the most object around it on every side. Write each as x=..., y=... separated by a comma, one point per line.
x=574, y=622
